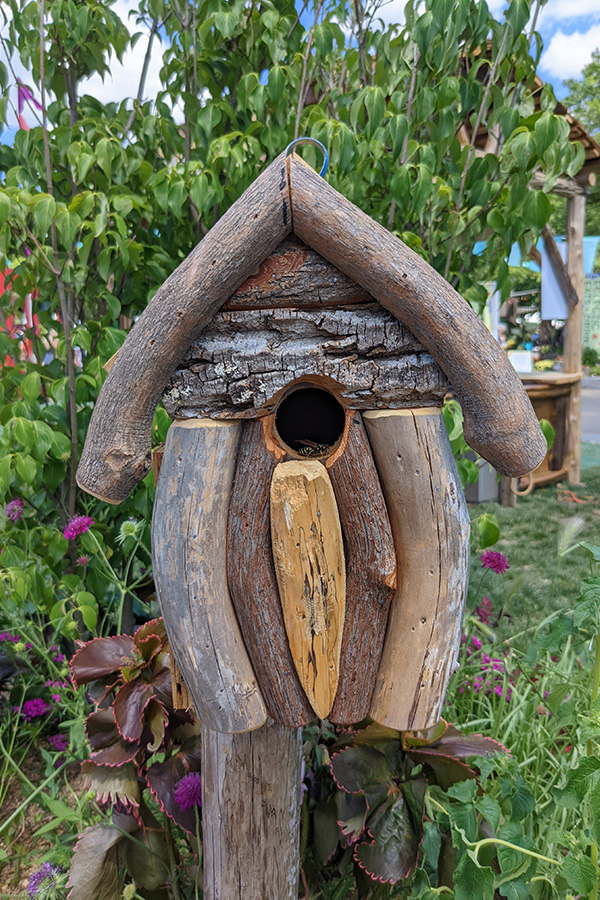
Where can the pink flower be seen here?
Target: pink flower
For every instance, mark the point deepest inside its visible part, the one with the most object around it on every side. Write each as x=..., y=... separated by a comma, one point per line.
x=188, y=792
x=82, y=560
x=497, y=562
x=476, y=642
x=58, y=742
x=484, y=611
x=32, y=709
x=14, y=509
x=56, y=698
x=78, y=525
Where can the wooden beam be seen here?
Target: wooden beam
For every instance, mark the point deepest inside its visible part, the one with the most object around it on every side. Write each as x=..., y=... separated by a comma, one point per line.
x=560, y=270
x=252, y=581
x=308, y=552
x=430, y=523
x=370, y=572
x=116, y=454
x=498, y=419
x=189, y=537
x=564, y=186
x=251, y=793
x=572, y=348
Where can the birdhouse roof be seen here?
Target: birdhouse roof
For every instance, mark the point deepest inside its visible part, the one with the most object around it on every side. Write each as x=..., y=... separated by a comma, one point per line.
x=290, y=197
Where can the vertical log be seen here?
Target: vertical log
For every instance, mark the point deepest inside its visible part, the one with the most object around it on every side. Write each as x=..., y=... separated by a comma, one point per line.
x=251, y=813
x=573, y=330
x=252, y=580
x=370, y=572
x=189, y=536
x=430, y=524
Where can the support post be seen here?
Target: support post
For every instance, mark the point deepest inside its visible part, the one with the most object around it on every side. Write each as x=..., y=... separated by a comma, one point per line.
x=573, y=330
x=251, y=813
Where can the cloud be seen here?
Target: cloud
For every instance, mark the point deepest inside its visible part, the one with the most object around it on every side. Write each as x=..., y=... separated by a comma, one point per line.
x=560, y=11
x=567, y=54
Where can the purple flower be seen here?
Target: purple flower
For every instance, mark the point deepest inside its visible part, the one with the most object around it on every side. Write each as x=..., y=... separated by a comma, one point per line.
x=56, y=698
x=14, y=509
x=82, y=560
x=32, y=709
x=188, y=792
x=484, y=611
x=5, y=636
x=476, y=642
x=59, y=658
x=43, y=878
x=78, y=525
x=497, y=562
x=58, y=742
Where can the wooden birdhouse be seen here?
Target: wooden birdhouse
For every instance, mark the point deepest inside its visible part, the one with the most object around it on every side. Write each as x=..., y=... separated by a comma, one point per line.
x=310, y=535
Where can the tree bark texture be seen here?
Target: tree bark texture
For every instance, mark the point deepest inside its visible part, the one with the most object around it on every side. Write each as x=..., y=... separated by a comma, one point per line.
x=295, y=275
x=117, y=450
x=308, y=552
x=430, y=524
x=252, y=581
x=189, y=537
x=251, y=813
x=370, y=572
x=499, y=421
x=244, y=359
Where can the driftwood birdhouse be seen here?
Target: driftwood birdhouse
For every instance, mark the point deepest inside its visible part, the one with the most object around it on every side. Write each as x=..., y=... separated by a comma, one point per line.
x=310, y=534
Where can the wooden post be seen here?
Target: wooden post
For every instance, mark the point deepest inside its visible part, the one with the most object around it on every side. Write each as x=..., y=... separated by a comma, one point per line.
x=251, y=813
x=573, y=330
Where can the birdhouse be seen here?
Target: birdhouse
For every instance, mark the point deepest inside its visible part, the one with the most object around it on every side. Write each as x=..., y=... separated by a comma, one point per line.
x=310, y=534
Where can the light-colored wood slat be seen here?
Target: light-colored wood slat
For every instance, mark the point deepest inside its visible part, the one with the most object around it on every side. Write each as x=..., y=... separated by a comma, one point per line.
x=117, y=449
x=189, y=538
x=573, y=339
x=430, y=524
x=308, y=553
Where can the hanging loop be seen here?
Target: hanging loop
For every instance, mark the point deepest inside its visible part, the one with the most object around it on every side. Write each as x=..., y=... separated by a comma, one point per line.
x=310, y=140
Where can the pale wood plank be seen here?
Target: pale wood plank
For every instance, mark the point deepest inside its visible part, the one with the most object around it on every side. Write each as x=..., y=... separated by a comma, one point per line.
x=251, y=814
x=189, y=536
x=573, y=331
x=309, y=562
x=117, y=449
x=430, y=524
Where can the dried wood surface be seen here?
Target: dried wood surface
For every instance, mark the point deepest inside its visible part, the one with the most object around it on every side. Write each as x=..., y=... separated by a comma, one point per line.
x=573, y=332
x=189, y=535
x=499, y=421
x=561, y=273
x=370, y=572
x=243, y=360
x=252, y=581
x=294, y=275
x=309, y=562
x=430, y=523
x=251, y=814
x=117, y=449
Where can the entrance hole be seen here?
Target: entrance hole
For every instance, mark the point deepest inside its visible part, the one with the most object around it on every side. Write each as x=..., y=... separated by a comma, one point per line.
x=310, y=421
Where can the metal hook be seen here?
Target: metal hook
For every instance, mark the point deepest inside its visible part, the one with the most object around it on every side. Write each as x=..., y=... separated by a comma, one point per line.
x=310, y=140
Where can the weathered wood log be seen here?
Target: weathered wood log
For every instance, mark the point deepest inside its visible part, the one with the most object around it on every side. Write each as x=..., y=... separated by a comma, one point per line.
x=189, y=535
x=117, y=448
x=370, y=572
x=234, y=368
x=430, y=523
x=499, y=421
x=251, y=786
x=573, y=339
x=294, y=275
x=309, y=562
x=252, y=581
x=559, y=268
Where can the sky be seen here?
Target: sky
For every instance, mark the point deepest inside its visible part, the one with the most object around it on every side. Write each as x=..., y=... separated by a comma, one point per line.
x=570, y=30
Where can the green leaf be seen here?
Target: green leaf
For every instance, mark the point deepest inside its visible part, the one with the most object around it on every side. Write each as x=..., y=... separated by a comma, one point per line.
x=30, y=387
x=580, y=873
x=358, y=768
x=94, y=872
x=26, y=468
x=546, y=132
x=488, y=530
x=472, y=881
x=548, y=432
x=276, y=84
x=4, y=208
x=536, y=210
x=517, y=15
x=375, y=107
x=579, y=781
x=43, y=212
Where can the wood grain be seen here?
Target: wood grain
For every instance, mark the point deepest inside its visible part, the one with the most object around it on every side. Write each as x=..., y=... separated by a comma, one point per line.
x=561, y=273
x=309, y=562
x=244, y=359
x=117, y=449
x=499, y=422
x=252, y=581
x=573, y=339
x=189, y=535
x=251, y=814
x=370, y=572
x=294, y=275
x=430, y=524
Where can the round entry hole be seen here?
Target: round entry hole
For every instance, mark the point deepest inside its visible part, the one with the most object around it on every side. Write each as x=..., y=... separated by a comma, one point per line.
x=310, y=421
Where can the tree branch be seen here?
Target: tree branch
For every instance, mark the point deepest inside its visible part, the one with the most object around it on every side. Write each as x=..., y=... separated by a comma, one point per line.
x=303, y=84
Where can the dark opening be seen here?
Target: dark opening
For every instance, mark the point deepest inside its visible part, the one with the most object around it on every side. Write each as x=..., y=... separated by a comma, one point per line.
x=310, y=421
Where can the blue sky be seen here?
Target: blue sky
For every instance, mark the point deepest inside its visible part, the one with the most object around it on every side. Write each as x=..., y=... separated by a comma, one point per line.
x=570, y=30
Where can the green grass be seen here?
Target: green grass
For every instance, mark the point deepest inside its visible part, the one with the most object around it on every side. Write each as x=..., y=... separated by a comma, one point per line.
x=532, y=535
